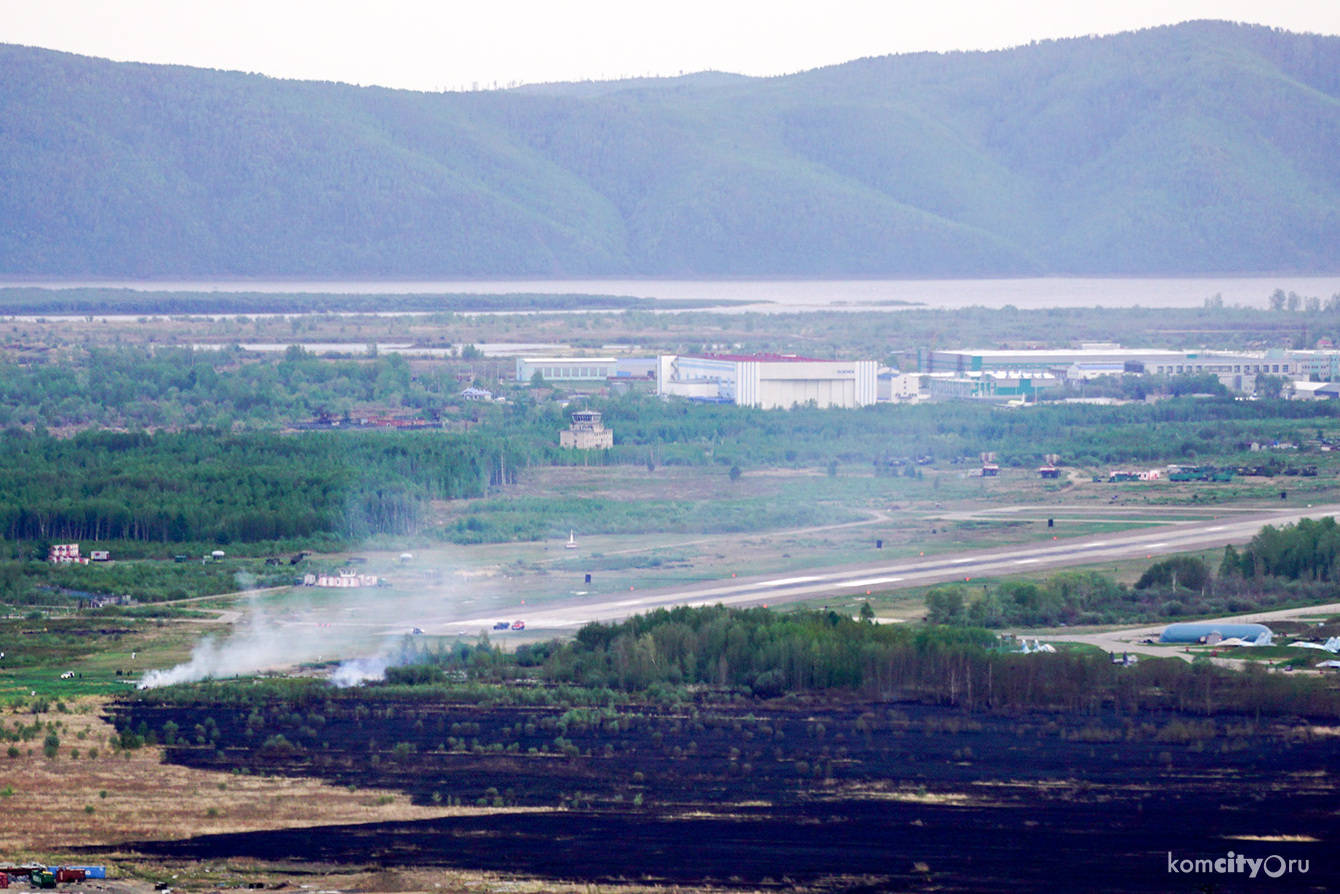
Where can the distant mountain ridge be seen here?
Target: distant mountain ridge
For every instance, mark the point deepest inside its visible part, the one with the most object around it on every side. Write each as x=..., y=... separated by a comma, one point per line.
x=1206, y=147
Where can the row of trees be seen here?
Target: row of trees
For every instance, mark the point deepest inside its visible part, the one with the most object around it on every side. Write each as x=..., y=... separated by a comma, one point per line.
x=1288, y=565
x=770, y=653
x=1308, y=550
x=668, y=655
x=203, y=486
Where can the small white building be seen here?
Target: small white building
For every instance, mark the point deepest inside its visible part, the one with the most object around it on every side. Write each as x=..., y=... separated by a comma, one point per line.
x=344, y=579
x=66, y=554
x=899, y=387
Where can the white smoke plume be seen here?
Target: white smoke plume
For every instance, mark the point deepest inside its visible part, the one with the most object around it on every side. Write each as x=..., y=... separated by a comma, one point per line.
x=333, y=625
x=393, y=653
x=259, y=643
x=356, y=671
x=262, y=647
x=363, y=670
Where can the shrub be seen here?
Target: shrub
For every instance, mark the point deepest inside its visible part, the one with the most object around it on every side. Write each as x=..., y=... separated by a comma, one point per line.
x=1186, y=572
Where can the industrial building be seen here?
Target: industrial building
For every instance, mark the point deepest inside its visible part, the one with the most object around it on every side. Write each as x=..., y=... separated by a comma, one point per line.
x=1235, y=370
x=560, y=370
x=987, y=385
x=768, y=381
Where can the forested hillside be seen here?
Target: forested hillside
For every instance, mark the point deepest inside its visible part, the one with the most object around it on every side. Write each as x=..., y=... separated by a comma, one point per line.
x=1204, y=147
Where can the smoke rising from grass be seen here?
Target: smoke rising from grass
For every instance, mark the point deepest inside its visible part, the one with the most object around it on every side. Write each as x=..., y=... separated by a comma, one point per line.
x=326, y=627
x=367, y=669
x=259, y=648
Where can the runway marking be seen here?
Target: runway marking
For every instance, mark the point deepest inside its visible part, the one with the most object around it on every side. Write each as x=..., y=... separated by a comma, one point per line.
x=780, y=582
x=789, y=581
x=1215, y=528
x=1027, y=561
x=869, y=582
x=1156, y=545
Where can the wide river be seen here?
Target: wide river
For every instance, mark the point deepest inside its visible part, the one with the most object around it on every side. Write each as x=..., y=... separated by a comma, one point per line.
x=796, y=294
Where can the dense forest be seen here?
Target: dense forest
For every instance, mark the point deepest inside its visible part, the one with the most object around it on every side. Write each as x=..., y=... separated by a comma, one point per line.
x=212, y=485
x=207, y=486
x=181, y=387
x=1199, y=147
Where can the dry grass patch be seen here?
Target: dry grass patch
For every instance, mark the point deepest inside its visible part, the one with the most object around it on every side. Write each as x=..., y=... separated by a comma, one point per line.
x=55, y=803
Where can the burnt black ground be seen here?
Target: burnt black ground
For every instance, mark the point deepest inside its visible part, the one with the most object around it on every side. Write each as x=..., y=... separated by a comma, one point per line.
x=731, y=796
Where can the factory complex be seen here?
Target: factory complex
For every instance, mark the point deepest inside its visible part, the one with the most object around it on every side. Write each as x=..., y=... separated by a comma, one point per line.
x=782, y=381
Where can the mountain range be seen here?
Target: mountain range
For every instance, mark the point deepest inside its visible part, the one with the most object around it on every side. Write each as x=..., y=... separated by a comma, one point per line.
x=1206, y=147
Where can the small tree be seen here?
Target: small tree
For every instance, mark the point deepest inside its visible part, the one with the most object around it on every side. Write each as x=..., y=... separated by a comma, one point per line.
x=1271, y=387
x=945, y=605
x=1186, y=572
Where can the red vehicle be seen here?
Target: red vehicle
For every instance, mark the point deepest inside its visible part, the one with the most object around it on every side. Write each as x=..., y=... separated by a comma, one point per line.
x=518, y=625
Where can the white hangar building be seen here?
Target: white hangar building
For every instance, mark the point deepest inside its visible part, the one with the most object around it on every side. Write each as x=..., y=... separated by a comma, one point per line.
x=768, y=381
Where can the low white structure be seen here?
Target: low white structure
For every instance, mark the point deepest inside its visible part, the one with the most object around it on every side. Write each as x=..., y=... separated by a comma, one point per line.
x=768, y=381
x=566, y=369
x=342, y=580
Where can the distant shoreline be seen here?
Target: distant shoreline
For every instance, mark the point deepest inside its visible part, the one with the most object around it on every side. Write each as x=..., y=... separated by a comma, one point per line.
x=772, y=295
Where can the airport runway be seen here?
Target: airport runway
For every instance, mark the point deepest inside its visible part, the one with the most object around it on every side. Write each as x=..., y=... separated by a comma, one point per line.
x=853, y=580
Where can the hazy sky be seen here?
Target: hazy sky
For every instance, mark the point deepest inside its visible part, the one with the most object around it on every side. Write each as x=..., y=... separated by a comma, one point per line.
x=453, y=45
